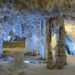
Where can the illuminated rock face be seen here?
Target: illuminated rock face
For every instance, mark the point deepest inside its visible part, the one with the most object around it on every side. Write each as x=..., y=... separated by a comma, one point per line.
x=22, y=25
x=70, y=37
x=70, y=45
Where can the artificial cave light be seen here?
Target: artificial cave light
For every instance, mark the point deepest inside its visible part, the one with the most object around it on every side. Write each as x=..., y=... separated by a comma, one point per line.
x=9, y=37
x=27, y=62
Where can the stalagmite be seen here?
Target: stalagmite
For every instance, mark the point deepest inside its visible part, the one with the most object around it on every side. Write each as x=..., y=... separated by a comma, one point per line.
x=27, y=47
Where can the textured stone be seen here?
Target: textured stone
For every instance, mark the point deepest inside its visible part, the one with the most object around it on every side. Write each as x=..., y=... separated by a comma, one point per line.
x=60, y=48
x=48, y=42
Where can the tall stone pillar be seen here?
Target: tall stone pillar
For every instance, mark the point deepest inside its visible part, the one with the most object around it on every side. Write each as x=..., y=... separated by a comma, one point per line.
x=1, y=46
x=43, y=40
x=1, y=41
x=48, y=43
x=60, y=49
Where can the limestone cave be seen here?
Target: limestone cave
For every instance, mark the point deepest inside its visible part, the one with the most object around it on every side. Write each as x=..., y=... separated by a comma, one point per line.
x=37, y=37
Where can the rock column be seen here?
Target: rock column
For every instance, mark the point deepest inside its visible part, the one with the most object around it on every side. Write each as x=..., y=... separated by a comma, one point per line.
x=60, y=49
x=1, y=39
x=48, y=43
x=43, y=40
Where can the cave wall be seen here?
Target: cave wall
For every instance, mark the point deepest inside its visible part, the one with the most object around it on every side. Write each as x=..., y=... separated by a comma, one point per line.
x=20, y=24
x=70, y=38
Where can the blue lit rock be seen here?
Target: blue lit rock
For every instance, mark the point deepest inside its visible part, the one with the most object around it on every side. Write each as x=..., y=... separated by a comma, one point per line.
x=23, y=25
x=70, y=45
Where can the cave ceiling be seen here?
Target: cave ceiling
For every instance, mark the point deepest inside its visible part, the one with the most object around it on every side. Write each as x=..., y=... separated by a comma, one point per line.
x=45, y=6
x=23, y=17
x=41, y=6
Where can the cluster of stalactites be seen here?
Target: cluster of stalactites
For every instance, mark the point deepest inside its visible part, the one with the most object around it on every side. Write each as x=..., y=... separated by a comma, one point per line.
x=21, y=24
x=45, y=4
x=16, y=20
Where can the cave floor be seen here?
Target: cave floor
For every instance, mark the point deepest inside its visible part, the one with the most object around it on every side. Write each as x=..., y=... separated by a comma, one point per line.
x=36, y=66
x=41, y=64
x=40, y=68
